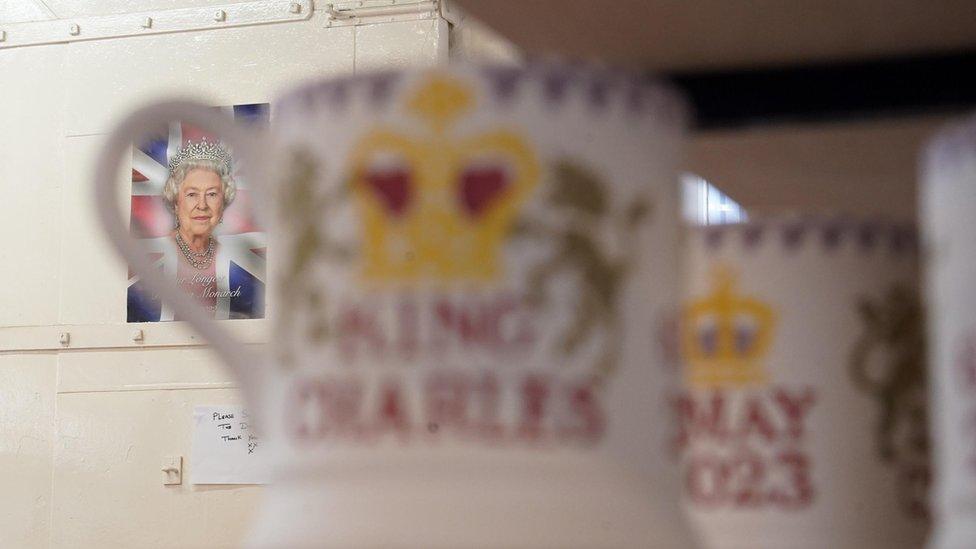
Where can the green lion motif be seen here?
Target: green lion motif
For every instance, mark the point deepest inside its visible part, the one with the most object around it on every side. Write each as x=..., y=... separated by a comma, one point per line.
x=893, y=326
x=583, y=196
x=300, y=213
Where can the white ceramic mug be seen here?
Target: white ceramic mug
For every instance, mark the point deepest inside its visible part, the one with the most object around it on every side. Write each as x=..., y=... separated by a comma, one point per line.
x=948, y=203
x=467, y=268
x=803, y=420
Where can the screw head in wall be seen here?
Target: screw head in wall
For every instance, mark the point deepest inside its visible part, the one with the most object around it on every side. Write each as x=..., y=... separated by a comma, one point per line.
x=74, y=29
x=220, y=15
x=295, y=7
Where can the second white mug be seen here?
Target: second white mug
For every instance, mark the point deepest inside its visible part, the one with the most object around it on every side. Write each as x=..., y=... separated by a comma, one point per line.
x=803, y=420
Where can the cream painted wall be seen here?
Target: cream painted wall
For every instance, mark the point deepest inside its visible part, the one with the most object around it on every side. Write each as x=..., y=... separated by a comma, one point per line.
x=32, y=176
x=27, y=410
x=474, y=41
x=83, y=431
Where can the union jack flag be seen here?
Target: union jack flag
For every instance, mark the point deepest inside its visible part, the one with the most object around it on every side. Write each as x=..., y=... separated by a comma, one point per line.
x=240, y=258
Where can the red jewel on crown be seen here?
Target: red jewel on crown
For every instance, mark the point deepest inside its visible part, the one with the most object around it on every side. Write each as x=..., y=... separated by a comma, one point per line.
x=481, y=186
x=393, y=188
x=477, y=188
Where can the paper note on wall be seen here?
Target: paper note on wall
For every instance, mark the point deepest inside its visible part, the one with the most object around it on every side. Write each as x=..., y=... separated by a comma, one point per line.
x=225, y=450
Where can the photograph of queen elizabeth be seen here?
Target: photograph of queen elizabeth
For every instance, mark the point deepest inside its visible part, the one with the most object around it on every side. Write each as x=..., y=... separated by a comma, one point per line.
x=192, y=222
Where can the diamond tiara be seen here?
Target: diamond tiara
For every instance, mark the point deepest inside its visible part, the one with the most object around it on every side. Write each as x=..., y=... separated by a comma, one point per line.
x=195, y=150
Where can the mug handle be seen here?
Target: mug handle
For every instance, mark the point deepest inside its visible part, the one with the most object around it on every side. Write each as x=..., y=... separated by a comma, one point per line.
x=244, y=364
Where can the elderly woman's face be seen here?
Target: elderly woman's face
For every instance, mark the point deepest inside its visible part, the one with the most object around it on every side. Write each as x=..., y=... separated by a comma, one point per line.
x=200, y=202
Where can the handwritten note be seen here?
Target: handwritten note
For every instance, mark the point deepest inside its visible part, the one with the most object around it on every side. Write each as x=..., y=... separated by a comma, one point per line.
x=225, y=449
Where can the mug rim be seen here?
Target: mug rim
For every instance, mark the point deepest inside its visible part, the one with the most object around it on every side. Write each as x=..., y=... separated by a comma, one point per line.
x=831, y=230
x=811, y=218
x=643, y=94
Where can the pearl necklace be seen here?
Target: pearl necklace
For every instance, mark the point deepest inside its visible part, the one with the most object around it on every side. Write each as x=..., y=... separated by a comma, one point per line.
x=198, y=261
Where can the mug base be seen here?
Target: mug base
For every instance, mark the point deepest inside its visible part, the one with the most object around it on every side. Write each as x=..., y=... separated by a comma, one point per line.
x=500, y=506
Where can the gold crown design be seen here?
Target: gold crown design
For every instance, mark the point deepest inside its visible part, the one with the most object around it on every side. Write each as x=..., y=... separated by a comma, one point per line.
x=435, y=204
x=725, y=335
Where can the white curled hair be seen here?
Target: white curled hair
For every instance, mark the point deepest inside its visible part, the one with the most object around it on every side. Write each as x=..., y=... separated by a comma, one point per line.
x=172, y=187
